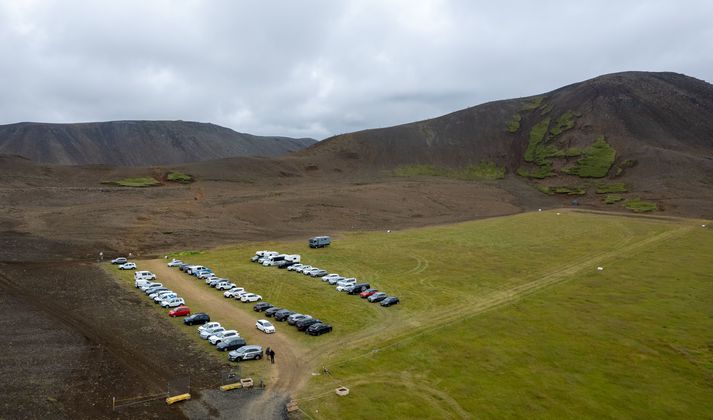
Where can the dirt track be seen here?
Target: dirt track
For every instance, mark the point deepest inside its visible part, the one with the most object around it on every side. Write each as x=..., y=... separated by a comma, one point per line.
x=286, y=376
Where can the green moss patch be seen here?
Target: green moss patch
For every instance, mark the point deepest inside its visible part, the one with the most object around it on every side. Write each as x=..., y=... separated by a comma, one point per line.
x=617, y=187
x=176, y=176
x=570, y=190
x=612, y=198
x=597, y=160
x=138, y=182
x=533, y=104
x=540, y=172
x=640, y=206
x=564, y=122
x=537, y=135
x=514, y=124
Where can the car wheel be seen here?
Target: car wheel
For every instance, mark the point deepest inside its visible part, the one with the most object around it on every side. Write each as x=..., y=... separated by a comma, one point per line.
x=258, y=357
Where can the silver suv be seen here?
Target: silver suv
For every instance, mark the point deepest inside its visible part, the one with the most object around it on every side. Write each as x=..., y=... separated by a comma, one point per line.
x=245, y=353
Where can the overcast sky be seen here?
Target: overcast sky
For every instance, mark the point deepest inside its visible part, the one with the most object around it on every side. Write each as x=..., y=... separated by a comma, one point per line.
x=319, y=68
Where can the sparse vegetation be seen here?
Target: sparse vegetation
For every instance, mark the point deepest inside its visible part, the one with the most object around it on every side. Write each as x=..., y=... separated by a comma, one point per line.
x=616, y=187
x=533, y=104
x=570, y=190
x=514, y=124
x=596, y=162
x=176, y=176
x=628, y=163
x=564, y=122
x=537, y=135
x=640, y=206
x=138, y=182
x=481, y=171
x=612, y=198
x=544, y=110
x=539, y=172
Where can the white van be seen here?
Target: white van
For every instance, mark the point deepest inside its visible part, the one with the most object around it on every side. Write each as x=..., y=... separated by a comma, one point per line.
x=294, y=258
x=144, y=275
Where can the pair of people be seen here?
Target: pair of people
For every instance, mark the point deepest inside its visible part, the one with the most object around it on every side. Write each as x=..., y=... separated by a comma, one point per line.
x=270, y=353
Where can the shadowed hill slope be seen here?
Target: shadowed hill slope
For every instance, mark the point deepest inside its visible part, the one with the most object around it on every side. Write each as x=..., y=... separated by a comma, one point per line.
x=649, y=133
x=137, y=143
x=634, y=110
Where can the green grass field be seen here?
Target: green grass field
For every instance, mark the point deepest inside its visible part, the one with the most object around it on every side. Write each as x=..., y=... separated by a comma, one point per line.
x=505, y=317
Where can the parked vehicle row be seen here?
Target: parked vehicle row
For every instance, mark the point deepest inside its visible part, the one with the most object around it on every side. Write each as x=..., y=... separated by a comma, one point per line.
x=349, y=285
x=302, y=322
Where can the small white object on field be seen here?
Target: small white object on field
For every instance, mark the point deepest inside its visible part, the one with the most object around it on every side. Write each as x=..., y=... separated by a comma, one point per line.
x=703, y=225
x=539, y=209
x=558, y=214
x=600, y=268
x=388, y=231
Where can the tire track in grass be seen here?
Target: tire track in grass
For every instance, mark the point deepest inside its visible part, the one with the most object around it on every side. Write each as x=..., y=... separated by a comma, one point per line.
x=429, y=322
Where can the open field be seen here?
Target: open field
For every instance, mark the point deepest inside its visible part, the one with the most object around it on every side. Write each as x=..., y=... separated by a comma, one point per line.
x=499, y=317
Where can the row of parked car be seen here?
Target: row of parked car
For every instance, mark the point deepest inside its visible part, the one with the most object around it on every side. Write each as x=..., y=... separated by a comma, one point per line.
x=231, y=290
x=306, y=323
x=349, y=285
x=223, y=339
x=302, y=322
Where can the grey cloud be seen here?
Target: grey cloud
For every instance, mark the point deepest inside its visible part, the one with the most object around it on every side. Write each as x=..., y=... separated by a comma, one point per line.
x=318, y=68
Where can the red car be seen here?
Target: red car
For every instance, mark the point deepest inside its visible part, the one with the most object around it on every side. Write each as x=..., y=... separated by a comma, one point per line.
x=180, y=311
x=368, y=292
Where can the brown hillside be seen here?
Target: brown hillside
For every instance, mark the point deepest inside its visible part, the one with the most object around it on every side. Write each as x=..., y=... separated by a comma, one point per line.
x=137, y=143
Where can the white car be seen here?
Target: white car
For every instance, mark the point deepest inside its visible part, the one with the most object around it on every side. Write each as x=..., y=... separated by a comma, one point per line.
x=304, y=268
x=250, y=297
x=225, y=285
x=174, y=263
x=220, y=336
x=344, y=287
x=310, y=271
x=206, y=334
x=239, y=295
x=233, y=292
x=165, y=296
x=330, y=276
x=120, y=260
x=335, y=280
x=265, y=326
x=295, y=267
x=128, y=266
x=208, y=326
x=173, y=302
x=149, y=285
x=346, y=282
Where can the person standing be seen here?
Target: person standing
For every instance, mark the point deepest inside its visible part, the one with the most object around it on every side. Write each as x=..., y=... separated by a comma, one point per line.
x=272, y=356
x=267, y=353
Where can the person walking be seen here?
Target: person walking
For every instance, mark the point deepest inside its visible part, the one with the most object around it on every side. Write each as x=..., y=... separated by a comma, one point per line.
x=267, y=353
x=272, y=356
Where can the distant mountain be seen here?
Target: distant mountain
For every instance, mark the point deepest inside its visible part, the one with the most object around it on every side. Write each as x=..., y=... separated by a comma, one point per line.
x=652, y=132
x=137, y=143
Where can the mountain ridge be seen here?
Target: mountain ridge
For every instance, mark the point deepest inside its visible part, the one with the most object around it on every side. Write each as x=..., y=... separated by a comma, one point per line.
x=137, y=142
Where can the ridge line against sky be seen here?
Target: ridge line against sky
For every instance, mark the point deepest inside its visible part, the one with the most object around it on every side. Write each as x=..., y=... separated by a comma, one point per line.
x=319, y=68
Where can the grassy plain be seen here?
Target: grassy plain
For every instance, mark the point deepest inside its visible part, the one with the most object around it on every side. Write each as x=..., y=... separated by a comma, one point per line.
x=504, y=317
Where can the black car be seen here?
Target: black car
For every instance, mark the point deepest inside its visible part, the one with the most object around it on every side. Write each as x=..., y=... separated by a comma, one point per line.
x=261, y=306
x=283, y=314
x=199, y=318
x=232, y=343
x=318, y=329
x=305, y=323
x=358, y=288
x=271, y=311
x=390, y=300
x=183, y=267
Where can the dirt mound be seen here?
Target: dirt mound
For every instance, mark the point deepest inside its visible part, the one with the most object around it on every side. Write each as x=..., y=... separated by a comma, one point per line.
x=137, y=143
